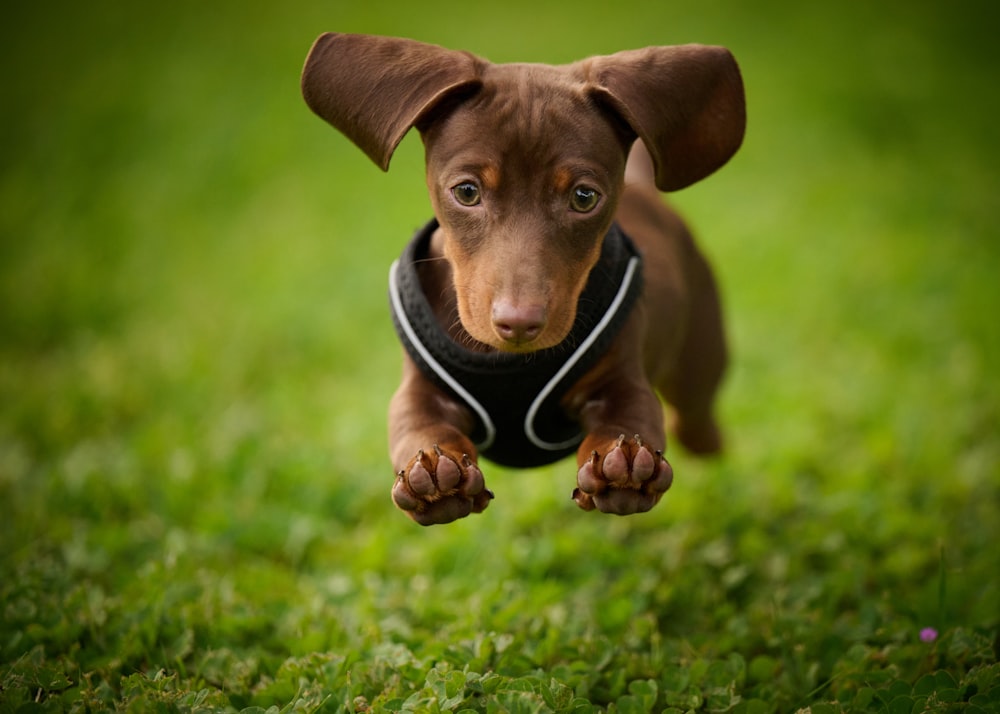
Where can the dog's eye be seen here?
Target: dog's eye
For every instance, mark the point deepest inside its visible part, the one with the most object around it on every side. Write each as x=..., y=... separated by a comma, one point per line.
x=584, y=199
x=466, y=193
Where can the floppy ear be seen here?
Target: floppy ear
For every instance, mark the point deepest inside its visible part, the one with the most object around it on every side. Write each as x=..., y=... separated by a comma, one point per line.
x=373, y=89
x=685, y=102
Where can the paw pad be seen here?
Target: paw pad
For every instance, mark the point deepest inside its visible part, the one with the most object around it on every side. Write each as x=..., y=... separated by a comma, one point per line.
x=628, y=478
x=437, y=487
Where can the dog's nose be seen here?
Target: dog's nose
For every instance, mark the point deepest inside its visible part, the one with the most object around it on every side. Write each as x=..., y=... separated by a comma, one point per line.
x=518, y=324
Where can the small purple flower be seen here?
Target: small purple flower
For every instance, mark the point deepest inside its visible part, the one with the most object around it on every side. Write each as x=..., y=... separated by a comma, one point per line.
x=928, y=634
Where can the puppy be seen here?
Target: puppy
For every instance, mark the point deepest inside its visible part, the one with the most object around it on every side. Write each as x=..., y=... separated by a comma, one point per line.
x=554, y=295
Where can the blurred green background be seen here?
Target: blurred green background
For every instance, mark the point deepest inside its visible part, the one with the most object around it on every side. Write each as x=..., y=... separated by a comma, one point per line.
x=196, y=355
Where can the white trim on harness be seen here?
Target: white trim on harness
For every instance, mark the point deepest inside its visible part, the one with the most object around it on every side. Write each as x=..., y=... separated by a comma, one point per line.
x=529, y=419
x=411, y=335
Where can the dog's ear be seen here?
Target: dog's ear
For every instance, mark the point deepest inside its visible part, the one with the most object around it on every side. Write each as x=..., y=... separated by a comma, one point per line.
x=685, y=102
x=373, y=89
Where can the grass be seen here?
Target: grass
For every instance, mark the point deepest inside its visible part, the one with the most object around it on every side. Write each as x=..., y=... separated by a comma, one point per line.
x=195, y=358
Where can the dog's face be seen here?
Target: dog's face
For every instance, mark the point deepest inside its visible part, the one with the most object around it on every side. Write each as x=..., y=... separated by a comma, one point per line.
x=524, y=176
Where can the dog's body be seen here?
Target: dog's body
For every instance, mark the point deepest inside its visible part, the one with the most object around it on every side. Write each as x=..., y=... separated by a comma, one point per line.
x=526, y=167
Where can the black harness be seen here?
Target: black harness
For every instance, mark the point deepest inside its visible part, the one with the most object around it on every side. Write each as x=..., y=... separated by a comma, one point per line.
x=515, y=398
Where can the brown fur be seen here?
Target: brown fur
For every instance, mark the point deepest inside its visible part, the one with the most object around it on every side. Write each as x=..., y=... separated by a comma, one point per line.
x=506, y=272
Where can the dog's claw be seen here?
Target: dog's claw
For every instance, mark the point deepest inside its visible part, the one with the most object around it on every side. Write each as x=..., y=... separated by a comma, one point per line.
x=475, y=483
x=448, y=473
x=664, y=477
x=438, y=487
x=630, y=478
x=419, y=478
x=616, y=466
x=402, y=496
x=643, y=466
x=583, y=500
x=586, y=477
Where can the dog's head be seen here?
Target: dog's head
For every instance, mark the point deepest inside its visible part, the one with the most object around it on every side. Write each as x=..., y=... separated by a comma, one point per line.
x=525, y=162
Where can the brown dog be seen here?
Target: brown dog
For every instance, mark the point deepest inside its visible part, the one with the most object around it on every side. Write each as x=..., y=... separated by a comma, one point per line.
x=554, y=294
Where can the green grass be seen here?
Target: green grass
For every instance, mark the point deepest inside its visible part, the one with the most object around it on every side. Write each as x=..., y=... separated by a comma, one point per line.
x=196, y=356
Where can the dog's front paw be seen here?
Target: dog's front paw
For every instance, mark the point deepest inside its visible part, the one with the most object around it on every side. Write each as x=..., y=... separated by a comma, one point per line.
x=437, y=487
x=627, y=478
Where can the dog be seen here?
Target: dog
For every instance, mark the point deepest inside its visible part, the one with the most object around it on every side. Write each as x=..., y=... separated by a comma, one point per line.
x=554, y=294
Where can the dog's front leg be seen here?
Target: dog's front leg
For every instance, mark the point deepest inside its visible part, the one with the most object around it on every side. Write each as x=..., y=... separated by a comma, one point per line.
x=437, y=479
x=621, y=464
